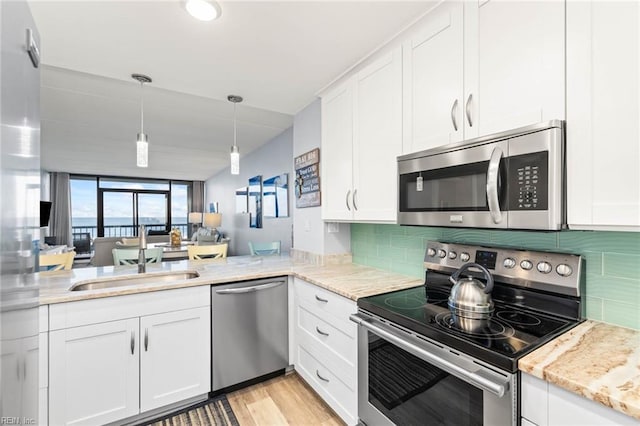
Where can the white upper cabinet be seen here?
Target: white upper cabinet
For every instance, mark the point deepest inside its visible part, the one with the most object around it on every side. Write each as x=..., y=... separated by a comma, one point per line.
x=337, y=153
x=603, y=115
x=433, y=93
x=377, y=138
x=514, y=64
x=480, y=67
x=361, y=138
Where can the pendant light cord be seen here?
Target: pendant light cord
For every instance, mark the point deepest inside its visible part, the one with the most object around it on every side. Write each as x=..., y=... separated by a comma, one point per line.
x=234, y=124
x=142, y=107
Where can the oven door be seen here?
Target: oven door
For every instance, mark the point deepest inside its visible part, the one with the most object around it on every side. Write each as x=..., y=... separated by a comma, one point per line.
x=458, y=188
x=407, y=379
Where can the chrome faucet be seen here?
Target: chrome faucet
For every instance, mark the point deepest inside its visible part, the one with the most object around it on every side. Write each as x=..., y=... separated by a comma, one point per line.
x=142, y=259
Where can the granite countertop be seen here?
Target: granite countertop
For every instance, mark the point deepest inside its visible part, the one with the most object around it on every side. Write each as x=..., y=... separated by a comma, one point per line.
x=349, y=280
x=595, y=360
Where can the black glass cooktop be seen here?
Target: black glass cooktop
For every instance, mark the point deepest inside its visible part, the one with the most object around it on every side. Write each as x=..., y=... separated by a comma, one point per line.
x=511, y=332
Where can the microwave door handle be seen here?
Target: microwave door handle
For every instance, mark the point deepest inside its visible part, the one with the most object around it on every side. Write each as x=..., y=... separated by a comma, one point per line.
x=493, y=173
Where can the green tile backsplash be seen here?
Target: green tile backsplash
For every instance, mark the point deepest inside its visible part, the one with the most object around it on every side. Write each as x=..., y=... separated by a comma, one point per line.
x=612, y=259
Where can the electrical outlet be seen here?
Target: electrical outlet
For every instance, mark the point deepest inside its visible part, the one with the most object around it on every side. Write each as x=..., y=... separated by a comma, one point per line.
x=333, y=227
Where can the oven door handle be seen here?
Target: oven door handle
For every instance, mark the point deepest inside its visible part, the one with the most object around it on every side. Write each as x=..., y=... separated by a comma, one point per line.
x=386, y=332
x=493, y=174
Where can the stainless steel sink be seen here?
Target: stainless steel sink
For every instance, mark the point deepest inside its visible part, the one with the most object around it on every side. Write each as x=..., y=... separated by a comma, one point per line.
x=128, y=280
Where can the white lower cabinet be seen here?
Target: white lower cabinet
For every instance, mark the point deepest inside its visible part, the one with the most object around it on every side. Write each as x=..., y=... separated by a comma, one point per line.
x=326, y=352
x=174, y=361
x=94, y=373
x=154, y=352
x=546, y=404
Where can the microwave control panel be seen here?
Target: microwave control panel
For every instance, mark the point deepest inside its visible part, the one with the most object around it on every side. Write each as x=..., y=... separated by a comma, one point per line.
x=528, y=181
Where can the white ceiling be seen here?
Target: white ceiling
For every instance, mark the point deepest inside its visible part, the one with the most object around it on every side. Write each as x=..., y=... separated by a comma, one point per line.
x=277, y=55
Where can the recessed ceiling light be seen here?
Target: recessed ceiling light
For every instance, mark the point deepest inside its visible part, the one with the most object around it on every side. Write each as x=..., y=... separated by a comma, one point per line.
x=204, y=10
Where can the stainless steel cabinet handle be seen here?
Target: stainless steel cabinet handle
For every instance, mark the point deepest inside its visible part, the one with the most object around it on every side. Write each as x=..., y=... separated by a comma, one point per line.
x=347, y=200
x=394, y=336
x=467, y=109
x=321, y=332
x=321, y=378
x=355, y=193
x=133, y=341
x=320, y=299
x=249, y=289
x=454, y=108
x=493, y=174
x=146, y=339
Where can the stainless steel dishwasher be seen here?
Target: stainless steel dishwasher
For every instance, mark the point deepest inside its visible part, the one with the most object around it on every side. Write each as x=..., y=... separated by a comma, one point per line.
x=249, y=330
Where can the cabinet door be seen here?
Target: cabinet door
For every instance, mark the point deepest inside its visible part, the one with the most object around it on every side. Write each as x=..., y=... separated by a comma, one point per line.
x=515, y=64
x=603, y=107
x=336, y=155
x=377, y=138
x=174, y=357
x=12, y=365
x=433, y=77
x=94, y=373
x=30, y=377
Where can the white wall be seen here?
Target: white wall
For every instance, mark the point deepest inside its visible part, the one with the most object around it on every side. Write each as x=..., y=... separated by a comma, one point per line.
x=274, y=158
x=309, y=232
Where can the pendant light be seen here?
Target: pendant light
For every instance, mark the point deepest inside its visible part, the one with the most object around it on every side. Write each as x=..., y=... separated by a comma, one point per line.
x=235, y=152
x=142, y=143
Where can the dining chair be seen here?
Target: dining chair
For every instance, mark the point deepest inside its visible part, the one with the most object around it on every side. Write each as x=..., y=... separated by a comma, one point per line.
x=264, y=249
x=57, y=262
x=216, y=251
x=130, y=256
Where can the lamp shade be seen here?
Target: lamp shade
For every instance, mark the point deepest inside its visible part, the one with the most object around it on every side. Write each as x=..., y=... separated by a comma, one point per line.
x=212, y=220
x=195, y=217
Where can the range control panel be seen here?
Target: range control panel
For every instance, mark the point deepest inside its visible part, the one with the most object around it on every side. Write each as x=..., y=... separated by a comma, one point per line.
x=556, y=272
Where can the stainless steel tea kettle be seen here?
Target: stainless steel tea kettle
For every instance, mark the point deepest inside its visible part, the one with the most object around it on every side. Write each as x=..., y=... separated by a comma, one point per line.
x=469, y=297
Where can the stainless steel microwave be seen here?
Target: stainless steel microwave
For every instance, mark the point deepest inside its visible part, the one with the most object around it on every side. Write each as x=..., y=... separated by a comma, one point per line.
x=510, y=180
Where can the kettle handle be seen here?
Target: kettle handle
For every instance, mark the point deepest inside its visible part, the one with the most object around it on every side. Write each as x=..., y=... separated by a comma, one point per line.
x=487, y=287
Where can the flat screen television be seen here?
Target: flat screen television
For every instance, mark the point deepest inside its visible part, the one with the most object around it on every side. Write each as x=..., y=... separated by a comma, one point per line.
x=45, y=212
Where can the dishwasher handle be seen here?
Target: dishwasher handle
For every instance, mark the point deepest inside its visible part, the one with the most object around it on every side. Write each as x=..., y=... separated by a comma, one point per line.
x=251, y=289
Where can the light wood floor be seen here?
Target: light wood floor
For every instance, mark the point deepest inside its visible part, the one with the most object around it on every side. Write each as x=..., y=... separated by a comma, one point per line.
x=285, y=400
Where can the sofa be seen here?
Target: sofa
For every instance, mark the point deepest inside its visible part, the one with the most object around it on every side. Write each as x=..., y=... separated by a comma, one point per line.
x=102, y=247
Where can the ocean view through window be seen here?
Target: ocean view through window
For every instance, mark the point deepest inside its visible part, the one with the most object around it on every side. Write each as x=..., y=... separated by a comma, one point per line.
x=115, y=207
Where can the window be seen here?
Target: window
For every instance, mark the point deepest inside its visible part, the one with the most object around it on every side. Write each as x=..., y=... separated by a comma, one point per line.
x=115, y=207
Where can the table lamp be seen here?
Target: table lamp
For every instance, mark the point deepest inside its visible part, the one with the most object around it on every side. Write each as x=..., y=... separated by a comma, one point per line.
x=212, y=220
x=195, y=219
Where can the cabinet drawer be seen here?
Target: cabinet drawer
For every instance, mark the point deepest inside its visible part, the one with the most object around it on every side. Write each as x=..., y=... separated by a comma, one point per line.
x=342, y=344
x=335, y=393
x=325, y=304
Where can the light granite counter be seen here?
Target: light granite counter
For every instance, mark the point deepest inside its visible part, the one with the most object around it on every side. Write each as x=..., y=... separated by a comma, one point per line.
x=349, y=280
x=595, y=360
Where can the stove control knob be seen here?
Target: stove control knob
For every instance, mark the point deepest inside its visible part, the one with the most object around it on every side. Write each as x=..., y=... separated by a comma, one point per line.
x=544, y=267
x=453, y=255
x=442, y=254
x=526, y=265
x=509, y=263
x=431, y=252
x=564, y=270
x=464, y=256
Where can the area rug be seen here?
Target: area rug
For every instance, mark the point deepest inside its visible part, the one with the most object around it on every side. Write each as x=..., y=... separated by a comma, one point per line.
x=212, y=412
x=399, y=375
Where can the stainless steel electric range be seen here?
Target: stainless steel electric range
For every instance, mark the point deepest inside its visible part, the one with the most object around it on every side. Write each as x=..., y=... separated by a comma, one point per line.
x=418, y=365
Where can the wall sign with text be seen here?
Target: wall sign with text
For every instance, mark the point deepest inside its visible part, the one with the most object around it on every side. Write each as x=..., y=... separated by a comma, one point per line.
x=307, y=180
